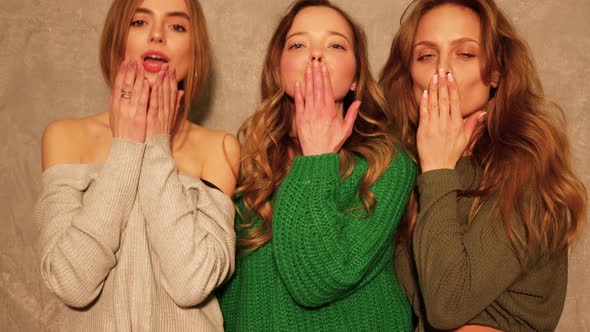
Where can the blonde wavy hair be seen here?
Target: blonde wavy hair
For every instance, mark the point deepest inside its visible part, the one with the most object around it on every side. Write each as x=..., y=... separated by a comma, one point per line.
x=522, y=150
x=268, y=149
x=114, y=38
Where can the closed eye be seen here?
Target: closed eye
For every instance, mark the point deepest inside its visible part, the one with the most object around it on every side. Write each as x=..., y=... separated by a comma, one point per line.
x=425, y=57
x=467, y=55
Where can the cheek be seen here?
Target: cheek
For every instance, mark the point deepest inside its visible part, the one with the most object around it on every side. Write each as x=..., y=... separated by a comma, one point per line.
x=132, y=47
x=184, y=57
x=342, y=74
x=421, y=78
x=292, y=70
x=474, y=94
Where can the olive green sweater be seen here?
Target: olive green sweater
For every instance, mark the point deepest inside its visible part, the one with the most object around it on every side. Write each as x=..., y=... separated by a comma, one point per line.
x=469, y=273
x=325, y=270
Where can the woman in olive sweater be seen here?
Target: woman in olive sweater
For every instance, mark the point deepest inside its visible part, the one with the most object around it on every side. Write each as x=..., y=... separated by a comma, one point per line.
x=323, y=188
x=498, y=203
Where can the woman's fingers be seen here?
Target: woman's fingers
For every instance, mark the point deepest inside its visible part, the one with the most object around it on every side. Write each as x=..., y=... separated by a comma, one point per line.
x=153, y=106
x=472, y=122
x=137, y=91
x=328, y=92
x=118, y=86
x=142, y=103
x=424, y=114
x=308, y=86
x=350, y=118
x=299, y=103
x=454, y=99
x=433, y=100
x=165, y=106
x=178, y=98
x=318, y=87
x=129, y=81
x=173, y=89
x=443, y=100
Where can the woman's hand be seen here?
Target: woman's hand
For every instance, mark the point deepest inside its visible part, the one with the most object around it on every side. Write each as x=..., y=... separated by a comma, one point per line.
x=128, y=102
x=443, y=134
x=164, y=103
x=320, y=129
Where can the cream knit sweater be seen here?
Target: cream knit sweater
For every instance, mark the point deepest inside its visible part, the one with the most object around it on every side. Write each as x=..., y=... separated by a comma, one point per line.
x=131, y=244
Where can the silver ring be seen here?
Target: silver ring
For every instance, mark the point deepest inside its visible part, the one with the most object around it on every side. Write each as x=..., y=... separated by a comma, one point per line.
x=125, y=94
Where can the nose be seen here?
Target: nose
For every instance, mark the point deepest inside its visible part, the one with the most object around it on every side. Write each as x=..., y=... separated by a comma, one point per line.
x=444, y=65
x=316, y=55
x=157, y=34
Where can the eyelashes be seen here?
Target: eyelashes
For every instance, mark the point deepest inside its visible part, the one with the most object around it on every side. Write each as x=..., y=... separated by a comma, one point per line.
x=336, y=46
x=141, y=22
x=460, y=55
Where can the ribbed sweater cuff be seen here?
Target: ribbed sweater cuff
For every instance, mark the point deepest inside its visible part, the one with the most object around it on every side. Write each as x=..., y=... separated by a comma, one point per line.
x=159, y=145
x=323, y=167
x=436, y=183
x=123, y=165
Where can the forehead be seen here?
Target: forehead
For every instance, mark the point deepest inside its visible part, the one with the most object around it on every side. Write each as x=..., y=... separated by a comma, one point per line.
x=320, y=19
x=164, y=6
x=448, y=22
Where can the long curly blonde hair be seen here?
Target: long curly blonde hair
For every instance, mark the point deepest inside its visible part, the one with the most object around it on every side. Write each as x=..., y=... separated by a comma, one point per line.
x=522, y=151
x=268, y=149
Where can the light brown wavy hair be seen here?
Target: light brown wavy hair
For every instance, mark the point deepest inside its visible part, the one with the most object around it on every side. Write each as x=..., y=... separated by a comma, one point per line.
x=521, y=149
x=114, y=38
x=268, y=149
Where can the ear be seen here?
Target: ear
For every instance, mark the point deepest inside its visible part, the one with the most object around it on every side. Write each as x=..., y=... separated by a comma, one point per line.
x=353, y=86
x=495, y=79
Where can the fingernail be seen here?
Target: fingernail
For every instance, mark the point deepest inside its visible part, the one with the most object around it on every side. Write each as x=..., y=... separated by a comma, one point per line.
x=124, y=64
x=145, y=83
x=451, y=78
x=435, y=79
x=482, y=116
x=173, y=71
x=425, y=94
x=441, y=72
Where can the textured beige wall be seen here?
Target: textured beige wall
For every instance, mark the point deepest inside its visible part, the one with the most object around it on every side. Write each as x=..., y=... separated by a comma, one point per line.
x=49, y=70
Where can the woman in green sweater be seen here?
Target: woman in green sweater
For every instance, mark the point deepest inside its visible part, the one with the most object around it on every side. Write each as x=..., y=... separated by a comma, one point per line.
x=499, y=205
x=322, y=190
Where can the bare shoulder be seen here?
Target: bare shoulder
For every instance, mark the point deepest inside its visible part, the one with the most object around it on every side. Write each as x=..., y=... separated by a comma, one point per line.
x=66, y=140
x=221, y=152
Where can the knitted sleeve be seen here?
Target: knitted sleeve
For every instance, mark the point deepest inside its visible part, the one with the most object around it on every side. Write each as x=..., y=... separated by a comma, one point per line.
x=190, y=229
x=323, y=252
x=80, y=226
x=461, y=269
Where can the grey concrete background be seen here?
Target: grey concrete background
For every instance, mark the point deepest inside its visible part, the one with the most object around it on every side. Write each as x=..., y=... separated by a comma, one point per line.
x=49, y=70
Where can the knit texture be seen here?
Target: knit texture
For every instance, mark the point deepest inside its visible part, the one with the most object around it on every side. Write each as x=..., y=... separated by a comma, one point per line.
x=324, y=269
x=131, y=244
x=469, y=273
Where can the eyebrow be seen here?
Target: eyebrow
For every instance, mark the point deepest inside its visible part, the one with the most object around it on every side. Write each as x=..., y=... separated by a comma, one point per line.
x=329, y=32
x=456, y=41
x=169, y=14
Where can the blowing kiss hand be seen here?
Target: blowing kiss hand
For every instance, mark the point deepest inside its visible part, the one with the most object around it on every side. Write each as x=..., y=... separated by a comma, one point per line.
x=320, y=127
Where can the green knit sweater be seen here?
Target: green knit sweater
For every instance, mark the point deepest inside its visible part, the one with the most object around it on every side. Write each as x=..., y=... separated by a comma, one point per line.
x=468, y=273
x=325, y=270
